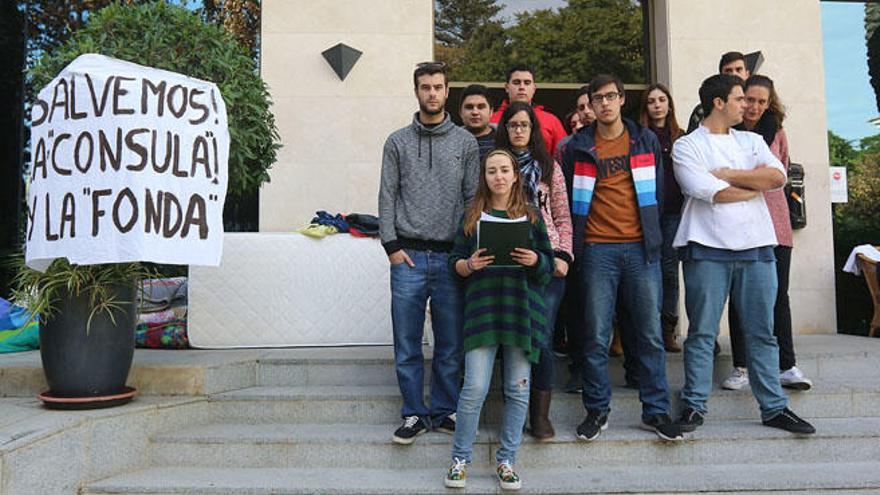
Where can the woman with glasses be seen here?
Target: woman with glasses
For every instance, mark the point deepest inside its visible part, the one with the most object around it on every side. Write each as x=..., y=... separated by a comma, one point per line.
x=519, y=132
x=657, y=112
x=764, y=115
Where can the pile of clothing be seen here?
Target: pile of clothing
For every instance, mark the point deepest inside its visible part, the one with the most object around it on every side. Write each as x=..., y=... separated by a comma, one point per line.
x=356, y=224
x=162, y=314
x=18, y=331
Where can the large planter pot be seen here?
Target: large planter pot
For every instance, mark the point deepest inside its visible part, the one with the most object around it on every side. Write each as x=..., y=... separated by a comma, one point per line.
x=87, y=363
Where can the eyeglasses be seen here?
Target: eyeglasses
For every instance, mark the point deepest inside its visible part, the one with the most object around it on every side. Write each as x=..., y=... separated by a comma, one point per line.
x=431, y=65
x=518, y=126
x=609, y=97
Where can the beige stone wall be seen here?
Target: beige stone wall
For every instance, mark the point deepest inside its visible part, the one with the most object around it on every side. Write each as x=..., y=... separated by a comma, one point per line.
x=690, y=36
x=333, y=130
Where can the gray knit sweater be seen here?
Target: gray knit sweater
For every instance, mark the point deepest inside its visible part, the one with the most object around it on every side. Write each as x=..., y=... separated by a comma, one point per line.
x=428, y=176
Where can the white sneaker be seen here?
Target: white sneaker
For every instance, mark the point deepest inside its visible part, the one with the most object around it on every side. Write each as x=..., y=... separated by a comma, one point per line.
x=738, y=379
x=794, y=378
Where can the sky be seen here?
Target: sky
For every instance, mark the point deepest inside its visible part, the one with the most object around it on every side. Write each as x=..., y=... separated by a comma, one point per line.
x=849, y=98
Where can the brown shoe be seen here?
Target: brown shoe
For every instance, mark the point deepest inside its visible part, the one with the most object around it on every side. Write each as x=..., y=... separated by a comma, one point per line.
x=539, y=415
x=669, y=324
x=616, y=349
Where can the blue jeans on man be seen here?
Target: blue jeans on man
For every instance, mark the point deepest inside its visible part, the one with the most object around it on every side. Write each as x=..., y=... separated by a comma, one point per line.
x=606, y=269
x=752, y=285
x=411, y=288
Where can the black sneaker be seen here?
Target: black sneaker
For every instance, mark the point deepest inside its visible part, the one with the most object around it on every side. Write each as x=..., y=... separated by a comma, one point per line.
x=592, y=425
x=663, y=427
x=413, y=426
x=789, y=421
x=690, y=419
x=447, y=425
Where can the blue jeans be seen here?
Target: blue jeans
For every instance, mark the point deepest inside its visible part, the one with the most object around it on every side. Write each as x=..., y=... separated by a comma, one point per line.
x=410, y=290
x=669, y=260
x=605, y=269
x=478, y=364
x=543, y=373
x=752, y=287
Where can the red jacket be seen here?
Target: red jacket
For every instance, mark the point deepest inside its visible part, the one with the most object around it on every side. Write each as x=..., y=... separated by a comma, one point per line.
x=551, y=127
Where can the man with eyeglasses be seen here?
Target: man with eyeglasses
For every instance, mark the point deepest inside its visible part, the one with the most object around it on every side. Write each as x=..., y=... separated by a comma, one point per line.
x=520, y=86
x=615, y=177
x=430, y=171
x=726, y=237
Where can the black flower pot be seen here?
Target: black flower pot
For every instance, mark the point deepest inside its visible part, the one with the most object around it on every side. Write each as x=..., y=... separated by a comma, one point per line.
x=88, y=362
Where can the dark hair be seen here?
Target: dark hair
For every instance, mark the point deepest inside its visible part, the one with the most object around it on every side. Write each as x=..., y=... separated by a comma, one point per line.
x=604, y=80
x=429, y=69
x=536, y=139
x=520, y=68
x=717, y=86
x=583, y=90
x=728, y=58
x=671, y=122
x=475, y=90
x=776, y=107
x=566, y=122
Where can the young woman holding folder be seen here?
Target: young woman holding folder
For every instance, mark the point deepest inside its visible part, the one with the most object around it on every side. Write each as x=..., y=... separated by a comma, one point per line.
x=519, y=132
x=503, y=309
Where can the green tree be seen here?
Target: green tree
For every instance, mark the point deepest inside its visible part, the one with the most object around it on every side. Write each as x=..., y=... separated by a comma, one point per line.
x=872, y=40
x=176, y=39
x=570, y=44
x=456, y=21
x=840, y=152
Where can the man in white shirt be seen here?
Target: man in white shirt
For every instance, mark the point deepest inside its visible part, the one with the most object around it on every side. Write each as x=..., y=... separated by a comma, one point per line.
x=726, y=238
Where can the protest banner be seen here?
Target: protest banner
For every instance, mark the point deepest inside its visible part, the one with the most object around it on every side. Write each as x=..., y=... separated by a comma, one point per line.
x=129, y=163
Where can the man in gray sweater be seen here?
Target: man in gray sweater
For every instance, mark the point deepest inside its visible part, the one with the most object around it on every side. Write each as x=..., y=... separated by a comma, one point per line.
x=430, y=171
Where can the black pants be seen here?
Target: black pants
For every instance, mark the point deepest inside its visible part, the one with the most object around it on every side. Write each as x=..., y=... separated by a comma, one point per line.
x=781, y=318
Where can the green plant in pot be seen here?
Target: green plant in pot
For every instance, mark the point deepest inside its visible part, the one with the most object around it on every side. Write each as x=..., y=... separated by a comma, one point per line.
x=87, y=321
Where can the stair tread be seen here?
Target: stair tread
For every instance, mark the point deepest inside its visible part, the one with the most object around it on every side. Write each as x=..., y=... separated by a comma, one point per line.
x=586, y=479
x=723, y=430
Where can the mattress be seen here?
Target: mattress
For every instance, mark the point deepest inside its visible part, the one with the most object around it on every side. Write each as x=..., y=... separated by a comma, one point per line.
x=287, y=290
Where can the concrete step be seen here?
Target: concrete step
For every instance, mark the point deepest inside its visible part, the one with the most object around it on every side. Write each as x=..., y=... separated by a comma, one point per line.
x=819, y=356
x=813, y=478
x=381, y=404
x=370, y=446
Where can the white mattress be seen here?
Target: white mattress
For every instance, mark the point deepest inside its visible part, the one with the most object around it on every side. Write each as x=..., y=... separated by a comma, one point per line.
x=281, y=290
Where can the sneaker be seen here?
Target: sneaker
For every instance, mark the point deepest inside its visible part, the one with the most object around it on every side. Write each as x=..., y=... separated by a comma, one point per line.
x=592, y=425
x=456, y=477
x=507, y=477
x=663, y=427
x=413, y=426
x=690, y=419
x=794, y=378
x=738, y=379
x=447, y=425
x=789, y=421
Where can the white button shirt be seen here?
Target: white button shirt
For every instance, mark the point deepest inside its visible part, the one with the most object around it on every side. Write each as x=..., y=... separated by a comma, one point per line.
x=734, y=226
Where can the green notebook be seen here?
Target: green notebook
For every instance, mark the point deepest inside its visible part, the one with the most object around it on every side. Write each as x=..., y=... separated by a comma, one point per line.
x=500, y=236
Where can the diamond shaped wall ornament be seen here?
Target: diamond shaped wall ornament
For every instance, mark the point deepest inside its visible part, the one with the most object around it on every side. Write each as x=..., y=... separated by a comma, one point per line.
x=342, y=59
x=754, y=61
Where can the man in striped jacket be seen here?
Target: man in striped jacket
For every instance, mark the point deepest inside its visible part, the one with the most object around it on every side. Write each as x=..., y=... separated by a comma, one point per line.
x=614, y=172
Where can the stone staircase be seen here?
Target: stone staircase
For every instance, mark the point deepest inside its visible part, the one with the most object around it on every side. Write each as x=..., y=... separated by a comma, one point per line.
x=320, y=421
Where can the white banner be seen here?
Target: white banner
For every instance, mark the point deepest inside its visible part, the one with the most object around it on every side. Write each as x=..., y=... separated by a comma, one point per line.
x=839, y=188
x=129, y=164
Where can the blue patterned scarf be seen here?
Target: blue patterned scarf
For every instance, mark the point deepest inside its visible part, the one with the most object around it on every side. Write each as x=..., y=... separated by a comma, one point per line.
x=531, y=173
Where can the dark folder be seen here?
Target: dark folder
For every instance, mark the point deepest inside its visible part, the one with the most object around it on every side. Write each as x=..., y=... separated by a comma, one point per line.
x=500, y=237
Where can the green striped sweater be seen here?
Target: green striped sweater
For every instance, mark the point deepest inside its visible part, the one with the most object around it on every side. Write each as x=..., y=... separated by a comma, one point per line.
x=505, y=306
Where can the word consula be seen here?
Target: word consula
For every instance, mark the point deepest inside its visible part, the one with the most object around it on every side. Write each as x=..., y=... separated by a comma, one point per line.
x=121, y=95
